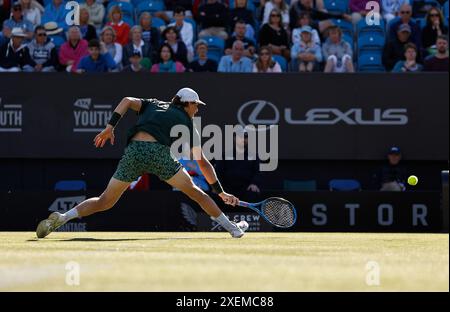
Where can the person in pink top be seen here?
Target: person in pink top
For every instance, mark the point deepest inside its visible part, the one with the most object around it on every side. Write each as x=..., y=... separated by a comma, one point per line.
x=167, y=63
x=73, y=50
x=359, y=10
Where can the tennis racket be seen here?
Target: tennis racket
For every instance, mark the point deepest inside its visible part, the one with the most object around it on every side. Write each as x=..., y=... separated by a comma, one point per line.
x=277, y=211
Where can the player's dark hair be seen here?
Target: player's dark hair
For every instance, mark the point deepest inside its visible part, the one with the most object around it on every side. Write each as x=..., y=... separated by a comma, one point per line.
x=178, y=10
x=176, y=100
x=94, y=43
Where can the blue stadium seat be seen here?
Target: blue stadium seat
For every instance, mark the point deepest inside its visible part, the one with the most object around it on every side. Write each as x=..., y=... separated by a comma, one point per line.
x=126, y=7
x=336, y=5
x=216, y=47
x=282, y=61
x=70, y=185
x=250, y=5
x=300, y=186
x=371, y=41
x=150, y=6
x=344, y=185
x=362, y=27
x=347, y=27
x=370, y=61
x=158, y=23
x=421, y=21
x=445, y=10
x=349, y=39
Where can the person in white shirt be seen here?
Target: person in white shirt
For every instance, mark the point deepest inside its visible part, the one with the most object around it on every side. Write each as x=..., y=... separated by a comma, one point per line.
x=108, y=38
x=186, y=31
x=390, y=8
x=31, y=12
x=96, y=12
x=276, y=4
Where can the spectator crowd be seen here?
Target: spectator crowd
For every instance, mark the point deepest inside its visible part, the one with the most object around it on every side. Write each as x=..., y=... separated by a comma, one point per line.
x=243, y=36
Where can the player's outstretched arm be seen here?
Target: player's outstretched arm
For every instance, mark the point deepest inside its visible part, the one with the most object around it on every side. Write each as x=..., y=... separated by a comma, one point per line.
x=211, y=177
x=121, y=109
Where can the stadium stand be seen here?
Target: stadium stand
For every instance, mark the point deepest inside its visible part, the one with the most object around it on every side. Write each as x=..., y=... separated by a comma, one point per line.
x=366, y=40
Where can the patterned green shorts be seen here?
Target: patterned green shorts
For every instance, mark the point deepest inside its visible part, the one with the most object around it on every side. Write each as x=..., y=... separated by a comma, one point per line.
x=146, y=157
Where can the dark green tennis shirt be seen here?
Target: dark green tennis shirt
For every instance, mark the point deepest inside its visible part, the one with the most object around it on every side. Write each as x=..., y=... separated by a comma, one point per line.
x=158, y=118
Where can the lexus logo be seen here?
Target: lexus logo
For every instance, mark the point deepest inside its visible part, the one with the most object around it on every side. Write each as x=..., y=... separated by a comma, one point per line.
x=250, y=114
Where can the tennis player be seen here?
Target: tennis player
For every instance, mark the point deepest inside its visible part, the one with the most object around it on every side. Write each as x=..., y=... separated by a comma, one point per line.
x=148, y=150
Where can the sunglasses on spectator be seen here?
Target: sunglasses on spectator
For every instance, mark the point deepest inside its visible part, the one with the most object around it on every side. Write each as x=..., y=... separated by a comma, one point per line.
x=405, y=12
x=275, y=15
x=17, y=9
x=41, y=35
x=434, y=15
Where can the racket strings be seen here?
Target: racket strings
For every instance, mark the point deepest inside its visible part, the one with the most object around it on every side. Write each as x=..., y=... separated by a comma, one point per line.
x=279, y=213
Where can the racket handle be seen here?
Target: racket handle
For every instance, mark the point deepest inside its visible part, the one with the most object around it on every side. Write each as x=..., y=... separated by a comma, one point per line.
x=244, y=204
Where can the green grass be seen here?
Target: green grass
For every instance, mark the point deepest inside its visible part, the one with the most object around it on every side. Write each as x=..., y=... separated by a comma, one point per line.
x=215, y=262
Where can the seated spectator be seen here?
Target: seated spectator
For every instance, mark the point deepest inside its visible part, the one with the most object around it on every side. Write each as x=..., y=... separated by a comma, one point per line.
x=172, y=38
x=392, y=176
x=275, y=36
x=14, y=55
x=137, y=45
x=108, y=38
x=17, y=20
x=265, y=63
x=56, y=12
x=307, y=53
x=240, y=173
x=236, y=62
x=409, y=65
x=241, y=13
x=55, y=34
x=73, y=50
x=358, y=9
x=43, y=51
x=439, y=61
x=121, y=28
x=394, y=50
x=88, y=31
x=281, y=6
x=405, y=13
x=97, y=61
x=185, y=30
x=239, y=34
x=337, y=53
x=435, y=27
x=304, y=19
x=96, y=12
x=321, y=18
x=202, y=63
x=150, y=34
x=390, y=8
x=213, y=18
x=135, y=64
x=31, y=12
x=167, y=62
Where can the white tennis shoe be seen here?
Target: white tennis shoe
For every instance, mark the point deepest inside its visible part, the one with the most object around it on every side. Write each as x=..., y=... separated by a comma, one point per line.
x=240, y=229
x=45, y=227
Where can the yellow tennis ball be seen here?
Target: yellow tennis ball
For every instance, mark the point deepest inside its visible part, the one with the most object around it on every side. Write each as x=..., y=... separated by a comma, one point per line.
x=413, y=180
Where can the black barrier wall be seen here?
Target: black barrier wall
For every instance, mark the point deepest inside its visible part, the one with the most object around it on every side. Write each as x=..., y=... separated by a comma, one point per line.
x=173, y=211
x=319, y=116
